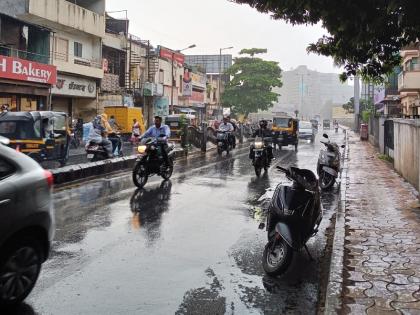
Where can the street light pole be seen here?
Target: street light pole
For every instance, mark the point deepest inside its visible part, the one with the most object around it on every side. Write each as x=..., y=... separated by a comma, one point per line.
x=172, y=74
x=220, y=77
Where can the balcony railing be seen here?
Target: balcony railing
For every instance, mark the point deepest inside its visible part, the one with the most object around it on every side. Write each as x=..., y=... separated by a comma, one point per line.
x=24, y=54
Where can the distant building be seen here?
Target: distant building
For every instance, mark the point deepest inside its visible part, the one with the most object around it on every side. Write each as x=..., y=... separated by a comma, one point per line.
x=210, y=64
x=309, y=91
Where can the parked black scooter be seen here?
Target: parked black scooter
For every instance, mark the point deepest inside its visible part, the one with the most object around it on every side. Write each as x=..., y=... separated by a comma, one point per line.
x=328, y=166
x=294, y=215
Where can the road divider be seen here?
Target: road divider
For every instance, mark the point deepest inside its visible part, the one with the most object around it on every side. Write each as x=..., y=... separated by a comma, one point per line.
x=83, y=171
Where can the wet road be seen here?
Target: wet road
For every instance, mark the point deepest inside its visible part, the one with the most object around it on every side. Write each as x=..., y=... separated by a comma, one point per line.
x=188, y=246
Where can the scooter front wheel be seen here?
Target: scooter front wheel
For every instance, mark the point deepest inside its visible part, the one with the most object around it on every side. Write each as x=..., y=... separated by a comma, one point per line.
x=277, y=257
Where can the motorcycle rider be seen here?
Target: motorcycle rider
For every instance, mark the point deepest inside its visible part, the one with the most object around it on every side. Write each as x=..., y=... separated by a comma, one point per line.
x=111, y=134
x=99, y=135
x=154, y=132
x=262, y=132
x=232, y=135
x=226, y=126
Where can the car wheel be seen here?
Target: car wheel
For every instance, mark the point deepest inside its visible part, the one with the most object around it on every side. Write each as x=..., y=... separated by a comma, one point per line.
x=20, y=266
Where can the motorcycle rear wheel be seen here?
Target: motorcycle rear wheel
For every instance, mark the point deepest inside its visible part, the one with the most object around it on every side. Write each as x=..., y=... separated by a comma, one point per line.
x=167, y=173
x=277, y=257
x=326, y=181
x=257, y=170
x=140, y=176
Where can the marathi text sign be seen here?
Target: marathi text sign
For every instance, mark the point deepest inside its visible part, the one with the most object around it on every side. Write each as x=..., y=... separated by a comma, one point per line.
x=25, y=70
x=74, y=86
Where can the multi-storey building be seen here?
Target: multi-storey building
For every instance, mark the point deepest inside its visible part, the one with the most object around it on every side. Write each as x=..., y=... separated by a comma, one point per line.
x=409, y=81
x=75, y=42
x=26, y=72
x=309, y=91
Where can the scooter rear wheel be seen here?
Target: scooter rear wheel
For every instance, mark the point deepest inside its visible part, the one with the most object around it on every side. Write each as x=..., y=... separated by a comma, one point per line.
x=326, y=181
x=277, y=257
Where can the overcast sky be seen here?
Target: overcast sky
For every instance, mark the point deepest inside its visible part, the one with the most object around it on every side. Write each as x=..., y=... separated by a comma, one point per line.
x=212, y=24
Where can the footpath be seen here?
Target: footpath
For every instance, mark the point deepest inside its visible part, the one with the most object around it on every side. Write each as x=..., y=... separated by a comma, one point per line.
x=381, y=257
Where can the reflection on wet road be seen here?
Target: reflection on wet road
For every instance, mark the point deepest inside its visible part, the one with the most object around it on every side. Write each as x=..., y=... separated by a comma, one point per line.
x=185, y=246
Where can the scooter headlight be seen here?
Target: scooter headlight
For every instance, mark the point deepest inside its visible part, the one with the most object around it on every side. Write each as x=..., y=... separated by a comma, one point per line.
x=141, y=149
x=258, y=144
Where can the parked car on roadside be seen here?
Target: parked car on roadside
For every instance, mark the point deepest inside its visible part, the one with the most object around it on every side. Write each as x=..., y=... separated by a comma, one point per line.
x=26, y=223
x=306, y=131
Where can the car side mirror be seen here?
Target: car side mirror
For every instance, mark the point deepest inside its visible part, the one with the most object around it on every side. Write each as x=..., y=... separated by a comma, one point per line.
x=325, y=135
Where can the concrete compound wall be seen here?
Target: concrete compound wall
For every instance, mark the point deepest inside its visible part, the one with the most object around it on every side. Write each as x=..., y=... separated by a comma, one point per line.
x=407, y=149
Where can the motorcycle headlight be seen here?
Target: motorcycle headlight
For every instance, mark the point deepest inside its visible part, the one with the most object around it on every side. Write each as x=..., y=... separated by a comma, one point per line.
x=258, y=145
x=141, y=149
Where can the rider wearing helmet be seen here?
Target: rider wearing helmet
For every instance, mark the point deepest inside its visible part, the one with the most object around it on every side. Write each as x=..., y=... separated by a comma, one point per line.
x=262, y=132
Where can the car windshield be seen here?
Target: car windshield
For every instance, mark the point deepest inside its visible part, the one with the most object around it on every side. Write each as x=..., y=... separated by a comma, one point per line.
x=305, y=125
x=20, y=129
x=282, y=122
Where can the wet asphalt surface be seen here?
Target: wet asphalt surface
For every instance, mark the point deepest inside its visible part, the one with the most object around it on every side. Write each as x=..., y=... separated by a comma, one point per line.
x=187, y=246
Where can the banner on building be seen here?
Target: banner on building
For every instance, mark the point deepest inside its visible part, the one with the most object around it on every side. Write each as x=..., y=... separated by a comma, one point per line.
x=170, y=54
x=161, y=107
x=25, y=70
x=74, y=86
x=187, y=84
x=148, y=89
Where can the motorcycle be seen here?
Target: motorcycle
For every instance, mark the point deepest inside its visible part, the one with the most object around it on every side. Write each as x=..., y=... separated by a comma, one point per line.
x=260, y=158
x=328, y=166
x=95, y=152
x=294, y=216
x=150, y=162
x=223, y=142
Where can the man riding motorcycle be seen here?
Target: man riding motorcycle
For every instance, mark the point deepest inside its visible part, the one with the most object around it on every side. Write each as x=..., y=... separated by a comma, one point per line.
x=156, y=131
x=98, y=134
x=262, y=132
x=112, y=134
x=226, y=126
x=232, y=135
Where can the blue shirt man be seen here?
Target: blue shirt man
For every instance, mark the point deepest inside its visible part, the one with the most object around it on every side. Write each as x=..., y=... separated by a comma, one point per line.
x=157, y=130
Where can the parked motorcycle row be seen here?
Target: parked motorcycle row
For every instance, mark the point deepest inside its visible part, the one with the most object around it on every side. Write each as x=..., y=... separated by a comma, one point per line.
x=294, y=212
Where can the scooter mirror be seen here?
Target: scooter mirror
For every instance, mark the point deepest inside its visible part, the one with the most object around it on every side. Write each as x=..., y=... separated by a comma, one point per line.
x=343, y=146
x=261, y=226
x=325, y=135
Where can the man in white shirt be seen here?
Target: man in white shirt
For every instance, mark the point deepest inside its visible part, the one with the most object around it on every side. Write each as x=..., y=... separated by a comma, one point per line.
x=226, y=125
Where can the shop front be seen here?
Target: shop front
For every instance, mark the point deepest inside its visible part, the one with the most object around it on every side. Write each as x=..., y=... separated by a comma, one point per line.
x=25, y=85
x=75, y=96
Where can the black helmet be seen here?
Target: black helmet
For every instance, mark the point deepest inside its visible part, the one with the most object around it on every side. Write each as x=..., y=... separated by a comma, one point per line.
x=263, y=123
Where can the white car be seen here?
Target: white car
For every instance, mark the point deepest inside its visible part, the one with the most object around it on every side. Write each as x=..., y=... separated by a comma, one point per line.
x=306, y=131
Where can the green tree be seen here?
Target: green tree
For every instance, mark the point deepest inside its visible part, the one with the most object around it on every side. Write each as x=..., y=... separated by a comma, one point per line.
x=364, y=36
x=252, y=82
x=364, y=105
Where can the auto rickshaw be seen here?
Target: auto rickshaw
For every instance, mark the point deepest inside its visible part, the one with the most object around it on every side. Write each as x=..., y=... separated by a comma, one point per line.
x=174, y=123
x=285, y=131
x=42, y=135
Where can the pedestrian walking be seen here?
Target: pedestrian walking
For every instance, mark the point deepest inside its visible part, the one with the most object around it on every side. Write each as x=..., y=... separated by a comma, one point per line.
x=135, y=132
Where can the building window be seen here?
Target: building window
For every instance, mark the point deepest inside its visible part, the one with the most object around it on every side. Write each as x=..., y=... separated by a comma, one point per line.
x=78, y=47
x=61, y=49
x=161, y=76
